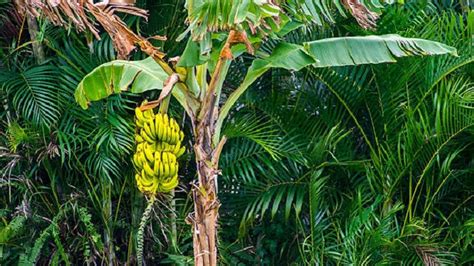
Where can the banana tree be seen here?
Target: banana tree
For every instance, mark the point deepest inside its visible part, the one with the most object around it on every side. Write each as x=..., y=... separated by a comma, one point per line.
x=220, y=31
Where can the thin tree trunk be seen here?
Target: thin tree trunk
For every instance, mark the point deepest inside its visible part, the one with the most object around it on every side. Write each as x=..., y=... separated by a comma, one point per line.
x=206, y=203
x=108, y=230
x=33, y=31
x=206, y=206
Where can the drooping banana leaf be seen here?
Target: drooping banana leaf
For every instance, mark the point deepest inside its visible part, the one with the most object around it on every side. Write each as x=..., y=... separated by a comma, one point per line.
x=118, y=76
x=330, y=52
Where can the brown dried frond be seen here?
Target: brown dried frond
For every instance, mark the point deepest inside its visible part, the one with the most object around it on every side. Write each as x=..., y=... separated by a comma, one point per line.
x=428, y=256
x=85, y=15
x=123, y=38
x=60, y=12
x=366, y=18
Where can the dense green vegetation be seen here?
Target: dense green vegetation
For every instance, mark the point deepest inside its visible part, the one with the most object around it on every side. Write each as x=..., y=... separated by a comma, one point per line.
x=358, y=165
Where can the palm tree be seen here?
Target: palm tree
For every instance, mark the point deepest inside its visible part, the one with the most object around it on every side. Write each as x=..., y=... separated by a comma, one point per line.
x=220, y=32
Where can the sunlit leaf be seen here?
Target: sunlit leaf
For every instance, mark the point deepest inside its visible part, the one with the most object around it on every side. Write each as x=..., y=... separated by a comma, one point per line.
x=118, y=76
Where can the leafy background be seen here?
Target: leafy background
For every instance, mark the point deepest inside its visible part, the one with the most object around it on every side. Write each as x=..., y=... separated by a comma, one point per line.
x=347, y=165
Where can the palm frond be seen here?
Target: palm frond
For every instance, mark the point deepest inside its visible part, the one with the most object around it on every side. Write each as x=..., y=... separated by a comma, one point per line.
x=35, y=94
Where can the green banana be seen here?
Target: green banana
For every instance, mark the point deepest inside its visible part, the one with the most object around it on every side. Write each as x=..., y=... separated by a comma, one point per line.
x=181, y=152
x=176, y=148
x=145, y=180
x=166, y=120
x=146, y=137
x=138, y=138
x=148, y=131
x=151, y=125
x=139, y=114
x=162, y=170
x=159, y=144
x=170, y=135
x=148, y=114
x=161, y=130
x=166, y=168
x=164, y=157
x=148, y=169
x=149, y=154
x=173, y=169
x=157, y=155
x=158, y=122
x=141, y=158
x=171, y=158
x=156, y=167
x=136, y=161
x=170, y=184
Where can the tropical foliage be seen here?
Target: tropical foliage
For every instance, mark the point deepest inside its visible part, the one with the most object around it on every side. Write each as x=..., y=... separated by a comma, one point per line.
x=343, y=165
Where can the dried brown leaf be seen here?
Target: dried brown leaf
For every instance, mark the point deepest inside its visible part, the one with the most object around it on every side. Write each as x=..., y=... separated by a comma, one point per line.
x=366, y=18
x=84, y=15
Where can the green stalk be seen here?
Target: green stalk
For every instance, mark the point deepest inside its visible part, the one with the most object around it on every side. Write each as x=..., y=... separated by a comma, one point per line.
x=107, y=214
x=164, y=105
x=141, y=230
x=174, y=230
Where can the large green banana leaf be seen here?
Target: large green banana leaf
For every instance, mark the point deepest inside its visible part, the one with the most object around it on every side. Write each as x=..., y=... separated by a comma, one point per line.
x=371, y=49
x=140, y=76
x=118, y=76
x=330, y=52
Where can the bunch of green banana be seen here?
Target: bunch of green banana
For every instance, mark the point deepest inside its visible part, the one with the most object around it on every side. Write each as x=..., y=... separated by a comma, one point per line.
x=158, y=139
